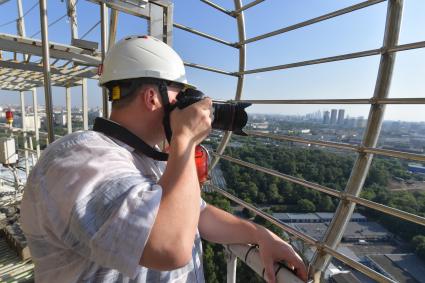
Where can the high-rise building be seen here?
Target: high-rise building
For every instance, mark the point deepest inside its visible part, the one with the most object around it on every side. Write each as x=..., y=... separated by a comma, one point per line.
x=361, y=122
x=334, y=113
x=341, y=113
x=326, y=117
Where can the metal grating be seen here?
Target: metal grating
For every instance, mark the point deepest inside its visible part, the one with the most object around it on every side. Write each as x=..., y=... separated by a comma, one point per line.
x=12, y=269
x=25, y=75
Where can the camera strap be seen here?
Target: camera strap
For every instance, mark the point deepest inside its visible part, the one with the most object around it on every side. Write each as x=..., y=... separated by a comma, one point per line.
x=163, y=91
x=117, y=131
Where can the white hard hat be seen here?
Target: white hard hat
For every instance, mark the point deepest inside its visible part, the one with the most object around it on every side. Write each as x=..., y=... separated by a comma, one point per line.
x=142, y=57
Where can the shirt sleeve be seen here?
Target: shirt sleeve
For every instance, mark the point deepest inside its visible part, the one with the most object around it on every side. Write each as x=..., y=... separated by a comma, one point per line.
x=111, y=225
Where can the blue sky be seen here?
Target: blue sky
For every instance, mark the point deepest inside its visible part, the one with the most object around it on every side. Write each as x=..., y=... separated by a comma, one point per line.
x=357, y=31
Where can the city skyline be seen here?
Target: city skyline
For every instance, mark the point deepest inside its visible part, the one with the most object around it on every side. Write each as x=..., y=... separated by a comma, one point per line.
x=251, y=115
x=409, y=113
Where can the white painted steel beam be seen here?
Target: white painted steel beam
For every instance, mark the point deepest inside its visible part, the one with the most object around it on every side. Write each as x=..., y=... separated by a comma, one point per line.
x=37, y=133
x=85, y=106
x=34, y=67
x=32, y=46
x=24, y=132
x=231, y=264
x=113, y=24
x=68, y=110
x=104, y=47
x=142, y=12
x=46, y=66
x=72, y=15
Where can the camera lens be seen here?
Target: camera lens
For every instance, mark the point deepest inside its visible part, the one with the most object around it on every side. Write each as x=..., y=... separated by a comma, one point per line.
x=230, y=116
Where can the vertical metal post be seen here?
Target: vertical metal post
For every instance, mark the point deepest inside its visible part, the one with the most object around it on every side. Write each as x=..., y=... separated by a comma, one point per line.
x=21, y=23
x=104, y=36
x=18, y=183
x=156, y=21
x=168, y=24
x=239, y=89
x=231, y=260
x=32, y=153
x=72, y=14
x=113, y=23
x=68, y=110
x=24, y=132
x=46, y=67
x=160, y=23
x=85, y=105
x=37, y=133
x=376, y=114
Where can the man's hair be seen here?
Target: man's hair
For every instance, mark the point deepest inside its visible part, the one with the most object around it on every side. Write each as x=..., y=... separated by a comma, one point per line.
x=130, y=93
x=128, y=89
x=126, y=100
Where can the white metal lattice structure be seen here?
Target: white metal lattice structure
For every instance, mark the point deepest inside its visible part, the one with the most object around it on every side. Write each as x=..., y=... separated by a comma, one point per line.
x=24, y=75
x=160, y=18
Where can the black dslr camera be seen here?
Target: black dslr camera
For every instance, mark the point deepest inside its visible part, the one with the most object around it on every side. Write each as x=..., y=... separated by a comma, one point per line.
x=228, y=116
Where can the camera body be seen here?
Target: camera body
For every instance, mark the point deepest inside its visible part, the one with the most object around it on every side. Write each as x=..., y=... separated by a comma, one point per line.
x=228, y=116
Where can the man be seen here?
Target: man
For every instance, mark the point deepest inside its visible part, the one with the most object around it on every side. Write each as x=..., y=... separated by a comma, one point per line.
x=100, y=207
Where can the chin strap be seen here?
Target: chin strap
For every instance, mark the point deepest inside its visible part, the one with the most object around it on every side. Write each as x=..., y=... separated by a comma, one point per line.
x=163, y=91
x=117, y=131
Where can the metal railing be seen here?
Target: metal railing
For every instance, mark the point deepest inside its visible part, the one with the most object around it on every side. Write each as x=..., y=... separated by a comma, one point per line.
x=365, y=151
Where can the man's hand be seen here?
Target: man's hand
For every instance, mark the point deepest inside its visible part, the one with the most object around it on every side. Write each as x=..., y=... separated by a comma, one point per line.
x=273, y=249
x=192, y=122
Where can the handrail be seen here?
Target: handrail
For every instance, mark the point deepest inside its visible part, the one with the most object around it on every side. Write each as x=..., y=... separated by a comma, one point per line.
x=251, y=257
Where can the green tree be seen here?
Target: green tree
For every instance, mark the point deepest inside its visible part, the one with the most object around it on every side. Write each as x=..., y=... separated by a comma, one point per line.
x=305, y=205
x=273, y=195
x=325, y=204
x=418, y=243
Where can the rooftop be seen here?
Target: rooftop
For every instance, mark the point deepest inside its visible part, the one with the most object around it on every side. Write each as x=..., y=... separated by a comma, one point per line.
x=402, y=267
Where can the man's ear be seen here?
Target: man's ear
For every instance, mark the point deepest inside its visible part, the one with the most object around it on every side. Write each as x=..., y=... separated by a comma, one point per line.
x=150, y=98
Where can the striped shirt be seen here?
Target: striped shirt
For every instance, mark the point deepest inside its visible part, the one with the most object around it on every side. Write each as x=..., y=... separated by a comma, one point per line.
x=88, y=208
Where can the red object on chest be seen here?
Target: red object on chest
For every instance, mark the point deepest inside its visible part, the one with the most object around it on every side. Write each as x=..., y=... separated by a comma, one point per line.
x=201, y=160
